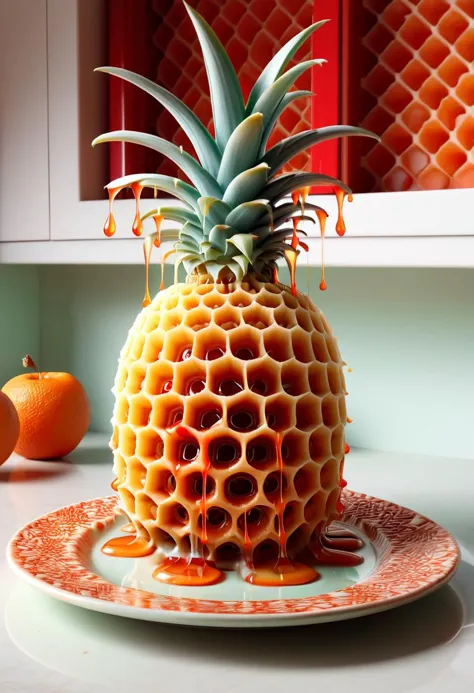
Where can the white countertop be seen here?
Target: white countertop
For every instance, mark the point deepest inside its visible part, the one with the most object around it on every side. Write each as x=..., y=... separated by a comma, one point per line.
x=426, y=647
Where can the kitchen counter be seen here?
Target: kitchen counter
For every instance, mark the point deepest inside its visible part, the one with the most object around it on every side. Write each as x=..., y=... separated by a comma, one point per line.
x=426, y=647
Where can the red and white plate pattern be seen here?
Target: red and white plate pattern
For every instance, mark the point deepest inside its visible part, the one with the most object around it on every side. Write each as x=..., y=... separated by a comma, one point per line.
x=414, y=556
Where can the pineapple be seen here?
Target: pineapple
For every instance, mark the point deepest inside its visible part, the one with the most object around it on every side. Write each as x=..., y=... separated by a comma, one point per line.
x=228, y=426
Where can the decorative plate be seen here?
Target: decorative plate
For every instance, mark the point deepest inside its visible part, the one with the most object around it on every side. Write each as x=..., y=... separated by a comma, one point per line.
x=406, y=556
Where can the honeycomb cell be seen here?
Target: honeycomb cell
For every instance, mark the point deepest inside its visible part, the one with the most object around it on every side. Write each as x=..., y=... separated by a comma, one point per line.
x=245, y=413
x=280, y=413
x=308, y=412
x=257, y=519
x=120, y=468
x=332, y=502
x=214, y=300
x=170, y=319
x=240, y=488
x=198, y=318
x=320, y=444
x=178, y=344
x=294, y=449
x=263, y=376
x=180, y=450
x=170, y=303
x=333, y=349
x=292, y=516
x=278, y=344
x=306, y=480
x=227, y=377
x=153, y=347
x=167, y=411
x=187, y=374
x=294, y=379
x=266, y=552
x=318, y=378
x=173, y=515
x=122, y=409
x=210, y=344
x=330, y=411
x=189, y=302
x=160, y=482
x=337, y=440
x=158, y=376
x=136, y=376
x=140, y=410
x=128, y=500
x=257, y=316
x=227, y=317
x=275, y=486
x=269, y=300
x=302, y=346
x=149, y=445
x=329, y=474
x=304, y=319
x=261, y=452
x=320, y=349
x=218, y=523
x=136, y=348
x=225, y=451
x=127, y=441
x=246, y=344
x=136, y=474
x=146, y=508
x=285, y=317
x=240, y=299
x=315, y=507
x=335, y=378
x=190, y=486
x=227, y=556
x=203, y=411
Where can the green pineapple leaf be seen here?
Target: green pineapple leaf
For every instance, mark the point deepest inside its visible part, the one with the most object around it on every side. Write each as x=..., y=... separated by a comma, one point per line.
x=247, y=214
x=204, y=182
x=218, y=236
x=247, y=185
x=284, y=151
x=284, y=103
x=284, y=185
x=173, y=186
x=244, y=243
x=271, y=98
x=205, y=146
x=182, y=216
x=278, y=63
x=241, y=150
x=226, y=96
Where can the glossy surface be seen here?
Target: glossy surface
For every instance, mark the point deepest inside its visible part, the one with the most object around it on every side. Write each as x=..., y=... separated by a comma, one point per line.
x=424, y=647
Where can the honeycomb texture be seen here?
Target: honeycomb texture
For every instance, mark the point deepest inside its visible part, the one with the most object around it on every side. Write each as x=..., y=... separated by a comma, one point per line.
x=252, y=31
x=421, y=94
x=241, y=369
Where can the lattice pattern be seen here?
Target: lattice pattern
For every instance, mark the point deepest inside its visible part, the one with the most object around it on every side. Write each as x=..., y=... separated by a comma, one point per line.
x=424, y=90
x=242, y=368
x=251, y=32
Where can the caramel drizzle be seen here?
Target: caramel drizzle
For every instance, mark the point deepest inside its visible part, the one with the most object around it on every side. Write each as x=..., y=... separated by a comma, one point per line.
x=322, y=218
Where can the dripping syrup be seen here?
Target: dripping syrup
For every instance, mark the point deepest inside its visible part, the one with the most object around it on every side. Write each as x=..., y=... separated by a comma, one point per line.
x=322, y=218
x=192, y=572
x=158, y=219
x=147, y=248
x=114, y=484
x=291, y=257
x=137, y=226
x=349, y=420
x=128, y=547
x=110, y=226
x=128, y=528
x=275, y=278
x=340, y=196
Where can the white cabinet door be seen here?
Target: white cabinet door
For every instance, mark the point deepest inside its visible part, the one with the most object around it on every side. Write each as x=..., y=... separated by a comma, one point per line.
x=24, y=184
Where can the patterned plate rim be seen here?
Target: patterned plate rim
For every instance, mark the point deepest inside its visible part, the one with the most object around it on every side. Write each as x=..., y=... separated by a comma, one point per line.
x=414, y=556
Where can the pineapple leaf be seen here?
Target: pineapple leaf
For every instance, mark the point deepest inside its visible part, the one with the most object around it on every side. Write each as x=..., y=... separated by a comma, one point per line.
x=286, y=211
x=278, y=63
x=189, y=231
x=241, y=150
x=284, y=185
x=244, y=243
x=192, y=263
x=243, y=262
x=247, y=185
x=247, y=214
x=214, y=269
x=284, y=151
x=204, y=182
x=206, y=148
x=173, y=186
x=226, y=96
x=182, y=216
x=271, y=98
x=218, y=236
x=213, y=211
x=187, y=247
x=284, y=103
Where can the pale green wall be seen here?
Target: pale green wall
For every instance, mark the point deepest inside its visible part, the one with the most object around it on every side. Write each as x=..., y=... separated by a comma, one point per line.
x=407, y=334
x=19, y=318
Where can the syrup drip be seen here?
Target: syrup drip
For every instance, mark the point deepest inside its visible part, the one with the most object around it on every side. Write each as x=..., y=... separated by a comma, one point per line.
x=284, y=572
x=349, y=420
x=346, y=449
x=342, y=482
x=158, y=219
x=128, y=528
x=340, y=196
x=291, y=257
x=275, y=278
x=147, y=248
x=128, y=547
x=164, y=257
x=194, y=572
x=322, y=217
x=334, y=548
x=114, y=484
x=247, y=545
x=110, y=226
x=137, y=226
x=294, y=239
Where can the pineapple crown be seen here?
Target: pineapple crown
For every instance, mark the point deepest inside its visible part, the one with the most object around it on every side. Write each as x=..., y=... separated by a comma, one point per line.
x=233, y=213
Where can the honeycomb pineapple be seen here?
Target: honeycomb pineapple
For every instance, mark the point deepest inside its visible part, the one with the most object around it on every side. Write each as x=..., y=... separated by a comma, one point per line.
x=229, y=415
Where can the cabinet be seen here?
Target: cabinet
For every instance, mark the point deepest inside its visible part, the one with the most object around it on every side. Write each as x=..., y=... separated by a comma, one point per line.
x=24, y=184
x=49, y=134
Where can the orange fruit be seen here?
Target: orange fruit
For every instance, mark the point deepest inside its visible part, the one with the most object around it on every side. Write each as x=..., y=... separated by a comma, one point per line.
x=9, y=427
x=54, y=413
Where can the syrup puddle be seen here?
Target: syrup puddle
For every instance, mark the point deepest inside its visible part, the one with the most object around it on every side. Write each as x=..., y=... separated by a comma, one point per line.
x=137, y=573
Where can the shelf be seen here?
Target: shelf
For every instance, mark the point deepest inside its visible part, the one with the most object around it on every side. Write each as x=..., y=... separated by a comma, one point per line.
x=427, y=251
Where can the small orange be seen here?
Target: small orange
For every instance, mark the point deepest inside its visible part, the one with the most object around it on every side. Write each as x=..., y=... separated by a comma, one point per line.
x=9, y=427
x=53, y=410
